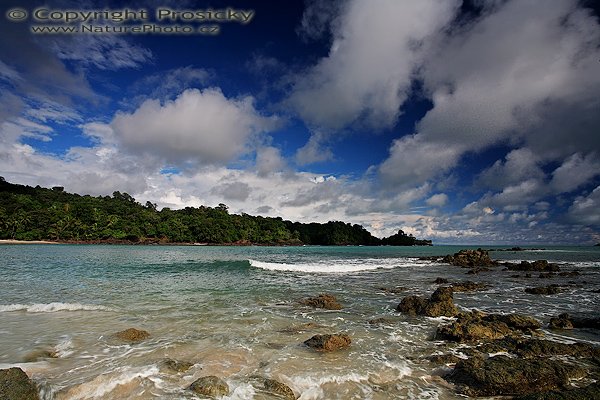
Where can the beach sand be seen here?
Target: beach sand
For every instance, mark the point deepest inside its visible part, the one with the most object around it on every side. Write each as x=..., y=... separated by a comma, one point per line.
x=13, y=241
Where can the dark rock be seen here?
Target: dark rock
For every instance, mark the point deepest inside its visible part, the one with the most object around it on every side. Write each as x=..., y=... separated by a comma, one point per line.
x=565, y=321
x=395, y=290
x=477, y=270
x=539, y=265
x=132, y=335
x=327, y=343
x=444, y=358
x=439, y=304
x=528, y=348
x=511, y=376
x=439, y=281
x=278, y=388
x=468, y=286
x=585, y=393
x=570, y=273
x=299, y=328
x=476, y=326
x=177, y=366
x=546, y=275
x=16, y=385
x=211, y=386
x=546, y=290
x=470, y=258
x=326, y=301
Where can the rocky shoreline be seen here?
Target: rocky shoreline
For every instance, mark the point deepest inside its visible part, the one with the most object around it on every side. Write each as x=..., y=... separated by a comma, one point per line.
x=507, y=354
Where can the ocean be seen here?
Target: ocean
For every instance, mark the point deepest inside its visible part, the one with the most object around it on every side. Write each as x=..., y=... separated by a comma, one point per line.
x=235, y=312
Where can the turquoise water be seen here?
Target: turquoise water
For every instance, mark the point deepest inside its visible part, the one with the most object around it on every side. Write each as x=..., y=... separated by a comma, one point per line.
x=230, y=310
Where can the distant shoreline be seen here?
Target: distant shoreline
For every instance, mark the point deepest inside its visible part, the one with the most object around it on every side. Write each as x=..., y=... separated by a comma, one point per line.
x=13, y=241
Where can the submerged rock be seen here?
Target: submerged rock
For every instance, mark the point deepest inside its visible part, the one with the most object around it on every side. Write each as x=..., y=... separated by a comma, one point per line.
x=468, y=286
x=539, y=265
x=278, y=388
x=565, y=321
x=326, y=301
x=16, y=385
x=545, y=290
x=395, y=290
x=439, y=304
x=470, y=258
x=502, y=375
x=327, y=343
x=132, y=335
x=476, y=326
x=439, y=281
x=176, y=365
x=211, y=386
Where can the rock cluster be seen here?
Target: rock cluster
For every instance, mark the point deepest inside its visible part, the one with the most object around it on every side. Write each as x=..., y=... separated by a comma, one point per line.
x=477, y=326
x=539, y=265
x=439, y=304
x=470, y=258
x=326, y=301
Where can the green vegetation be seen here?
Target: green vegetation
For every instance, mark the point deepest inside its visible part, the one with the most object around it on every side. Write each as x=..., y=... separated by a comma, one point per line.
x=28, y=213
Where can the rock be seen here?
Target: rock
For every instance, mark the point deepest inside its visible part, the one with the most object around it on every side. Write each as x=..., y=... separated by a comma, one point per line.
x=327, y=343
x=570, y=273
x=529, y=348
x=278, y=388
x=468, y=286
x=477, y=270
x=211, y=386
x=132, y=335
x=299, y=328
x=395, y=290
x=381, y=321
x=470, y=258
x=502, y=375
x=16, y=385
x=444, y=359
x=326, y=301
x=565, y=321
x=40, y=354
x=585, y=393
x=177, y=366
x=561, y=322
x=439, y=304
x=439, y=281
x=546, y=275
x=545, y=290
x=476, y=326
x=539, y=265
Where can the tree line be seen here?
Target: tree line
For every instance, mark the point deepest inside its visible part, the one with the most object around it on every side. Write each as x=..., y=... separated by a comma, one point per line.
x=36, y=213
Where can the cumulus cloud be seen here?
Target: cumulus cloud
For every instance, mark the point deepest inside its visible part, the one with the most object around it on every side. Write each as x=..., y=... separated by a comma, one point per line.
x=574, y=172
x=502, y=79
x=585, y=210
x=198, y=126
x=269, y=160
x=367, y=74
x=437, y=200
x=519, y=165
x=233, y=191
x=313, y=151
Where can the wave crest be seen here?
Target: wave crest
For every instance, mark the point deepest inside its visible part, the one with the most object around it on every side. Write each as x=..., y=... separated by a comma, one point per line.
x=334, y=266
x=51, y=307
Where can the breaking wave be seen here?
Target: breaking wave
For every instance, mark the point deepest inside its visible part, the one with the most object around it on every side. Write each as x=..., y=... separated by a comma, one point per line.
x=51, y=307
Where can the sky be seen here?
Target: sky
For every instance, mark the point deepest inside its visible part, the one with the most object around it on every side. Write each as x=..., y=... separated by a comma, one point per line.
x=463, y=122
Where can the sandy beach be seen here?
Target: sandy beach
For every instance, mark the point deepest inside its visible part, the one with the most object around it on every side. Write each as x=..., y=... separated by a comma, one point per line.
x=13, y=241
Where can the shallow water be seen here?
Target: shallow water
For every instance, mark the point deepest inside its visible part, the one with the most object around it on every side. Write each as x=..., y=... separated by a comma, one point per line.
x=234, y=313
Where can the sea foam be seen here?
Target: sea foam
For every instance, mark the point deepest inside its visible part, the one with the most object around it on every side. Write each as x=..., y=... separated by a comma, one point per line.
x=334, y=266
x=51, y=307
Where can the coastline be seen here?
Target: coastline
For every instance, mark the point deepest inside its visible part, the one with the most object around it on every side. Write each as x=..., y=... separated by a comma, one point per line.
x=14, y=241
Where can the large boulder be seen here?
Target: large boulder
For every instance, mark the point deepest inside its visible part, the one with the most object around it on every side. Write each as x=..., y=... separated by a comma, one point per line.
x=439, y=304
x=327, y=343
x=470, y=259
x=210, y=386
x=507, y=376
x=326, y=301
x=477, y=326
x=132, y=335
x=16, y=385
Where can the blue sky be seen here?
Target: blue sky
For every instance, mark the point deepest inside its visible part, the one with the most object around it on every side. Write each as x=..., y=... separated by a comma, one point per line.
x=460, y=122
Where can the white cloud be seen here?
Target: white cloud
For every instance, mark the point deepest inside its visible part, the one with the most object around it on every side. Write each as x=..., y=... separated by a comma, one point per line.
x=368, y=72
x=106, y=52
x=198, y=126
x=574, y=172
x=519, y=165
x=585, y=210
x=269, y=160
x=313, y=151
x=437, y=200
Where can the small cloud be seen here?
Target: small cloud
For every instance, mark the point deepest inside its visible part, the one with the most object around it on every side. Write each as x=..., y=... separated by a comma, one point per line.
x=437, y=200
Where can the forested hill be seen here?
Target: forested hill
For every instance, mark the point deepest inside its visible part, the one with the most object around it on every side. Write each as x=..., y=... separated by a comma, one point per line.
x=28, y=213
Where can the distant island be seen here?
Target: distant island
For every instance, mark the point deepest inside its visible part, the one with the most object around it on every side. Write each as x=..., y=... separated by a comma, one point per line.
x=36, y=213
